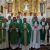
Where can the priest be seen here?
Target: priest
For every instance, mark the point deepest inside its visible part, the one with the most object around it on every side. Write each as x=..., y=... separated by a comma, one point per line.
x=43, y=31
x=35, y=33
x=14, y=34
x=3, y=34
x=8, y=30
x=19, y=22
x=25, y=35
x=5, y=44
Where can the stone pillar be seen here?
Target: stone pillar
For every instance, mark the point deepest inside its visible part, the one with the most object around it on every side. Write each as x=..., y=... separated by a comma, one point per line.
x=14, y=8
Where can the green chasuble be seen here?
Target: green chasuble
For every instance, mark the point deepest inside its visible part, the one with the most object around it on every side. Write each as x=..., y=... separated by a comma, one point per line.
x=25, y=33
x=19, y=21
x=14, y=32
x=43, y=31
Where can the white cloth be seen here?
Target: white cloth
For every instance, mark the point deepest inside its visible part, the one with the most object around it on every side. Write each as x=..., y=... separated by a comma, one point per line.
x=43, y=23
x=21, y=17
x=13, y=46
x=30, y=20
x=35, y=36
x=40, y=17
x=25, y=47
x=47, y=27
x=8, y=24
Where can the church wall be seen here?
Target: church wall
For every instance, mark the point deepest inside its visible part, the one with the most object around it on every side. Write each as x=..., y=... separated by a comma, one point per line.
x=48, y=9
x=46, y=14
x=5, y=9
x=2, y=3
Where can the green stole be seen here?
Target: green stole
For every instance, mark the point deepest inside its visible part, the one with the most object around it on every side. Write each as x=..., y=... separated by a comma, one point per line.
x=19, y=22
x=25, y=33
x=14, y=33
x=33, y=22
x=42, y=31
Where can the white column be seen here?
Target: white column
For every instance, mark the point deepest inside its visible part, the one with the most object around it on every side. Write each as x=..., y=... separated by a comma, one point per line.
x=48, y=10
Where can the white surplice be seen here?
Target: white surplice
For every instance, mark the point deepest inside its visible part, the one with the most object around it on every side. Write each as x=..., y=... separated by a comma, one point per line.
x=35, y=36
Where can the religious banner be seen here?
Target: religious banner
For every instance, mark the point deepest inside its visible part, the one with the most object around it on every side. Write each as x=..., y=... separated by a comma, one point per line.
x=9, y=7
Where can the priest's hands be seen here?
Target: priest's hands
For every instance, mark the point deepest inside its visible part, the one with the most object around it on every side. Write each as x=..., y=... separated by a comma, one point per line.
x=13, y=28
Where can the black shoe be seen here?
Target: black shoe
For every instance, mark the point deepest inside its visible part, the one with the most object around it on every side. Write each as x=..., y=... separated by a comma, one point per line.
x=36, y=49
x=32, y=48
x=29, y=48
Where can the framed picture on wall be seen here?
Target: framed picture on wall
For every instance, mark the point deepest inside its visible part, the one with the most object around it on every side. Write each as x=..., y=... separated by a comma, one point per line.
x=1, y=9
